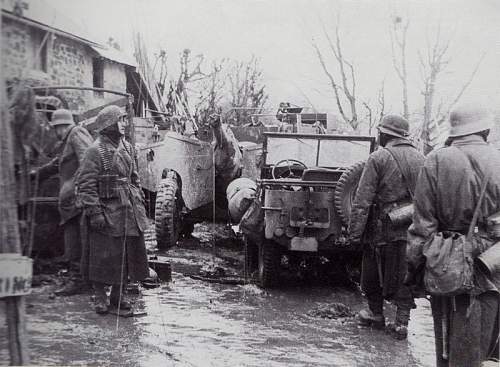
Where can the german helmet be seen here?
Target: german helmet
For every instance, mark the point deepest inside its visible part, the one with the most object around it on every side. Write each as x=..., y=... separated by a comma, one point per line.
x=108, y=116
x=394, y=125
x=61, y=117
x=466, y=120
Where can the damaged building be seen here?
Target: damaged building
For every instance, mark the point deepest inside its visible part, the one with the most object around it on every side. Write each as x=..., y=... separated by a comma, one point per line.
x=47, y=48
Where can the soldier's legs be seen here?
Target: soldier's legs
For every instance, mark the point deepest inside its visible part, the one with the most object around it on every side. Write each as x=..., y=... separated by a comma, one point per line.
x=394, y=255
x=370, y=284
x=437, y=316
x=73, y=242
x=73, y=254
x=101, y=298
x=118, y=297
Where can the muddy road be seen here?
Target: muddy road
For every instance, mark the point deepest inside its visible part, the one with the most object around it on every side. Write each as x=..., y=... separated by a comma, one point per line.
x=190, y=322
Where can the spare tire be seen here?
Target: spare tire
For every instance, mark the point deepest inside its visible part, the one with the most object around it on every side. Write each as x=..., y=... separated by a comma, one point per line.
x=167, y=214
x=345, y=191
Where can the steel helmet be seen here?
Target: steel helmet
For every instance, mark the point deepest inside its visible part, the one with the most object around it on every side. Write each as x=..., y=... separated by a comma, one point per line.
x=394, y=125
x=61, y=117
x=108, y=116
x=466, y=120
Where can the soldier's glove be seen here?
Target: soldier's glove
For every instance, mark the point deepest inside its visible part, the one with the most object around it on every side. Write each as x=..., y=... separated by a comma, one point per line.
x=98, y=221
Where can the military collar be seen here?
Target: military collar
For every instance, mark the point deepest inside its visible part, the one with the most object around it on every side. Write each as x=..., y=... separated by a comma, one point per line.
x=397, y=142
x=114, y=143
x=68, y=132
x=469, y=139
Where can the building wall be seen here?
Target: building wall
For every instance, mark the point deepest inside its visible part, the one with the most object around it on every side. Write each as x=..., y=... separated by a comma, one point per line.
x=15, y=47
x=69, y=62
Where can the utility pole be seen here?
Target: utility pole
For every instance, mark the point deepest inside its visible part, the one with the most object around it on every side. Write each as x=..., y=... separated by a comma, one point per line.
x=12, y=264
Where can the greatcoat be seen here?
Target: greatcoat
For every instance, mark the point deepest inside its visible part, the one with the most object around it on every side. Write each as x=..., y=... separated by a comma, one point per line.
x=446, y=195
x=74, y=144
x=118, y=248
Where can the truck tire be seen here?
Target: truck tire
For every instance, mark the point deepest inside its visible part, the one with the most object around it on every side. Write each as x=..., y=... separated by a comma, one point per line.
x=167, y=215
x=251, y=257
x=345, y=191
x=269, y=261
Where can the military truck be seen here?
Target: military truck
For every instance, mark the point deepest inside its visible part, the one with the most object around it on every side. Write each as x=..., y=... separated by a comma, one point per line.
x=303, y=202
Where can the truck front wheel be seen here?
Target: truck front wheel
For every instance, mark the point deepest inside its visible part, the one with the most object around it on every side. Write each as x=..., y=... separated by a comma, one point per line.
x=269, y=262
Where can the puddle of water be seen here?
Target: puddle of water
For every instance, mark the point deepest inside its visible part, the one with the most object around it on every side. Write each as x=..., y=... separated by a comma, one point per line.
x=194, y=323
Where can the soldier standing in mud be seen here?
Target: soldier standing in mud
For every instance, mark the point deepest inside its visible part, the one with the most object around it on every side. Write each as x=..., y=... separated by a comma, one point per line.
x=75, y=141
x=466, y=326
x=387, y=183
x=109, y=191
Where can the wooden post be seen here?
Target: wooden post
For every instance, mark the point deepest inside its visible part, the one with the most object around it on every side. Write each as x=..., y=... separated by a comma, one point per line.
x=9, y=231
x=130, y=117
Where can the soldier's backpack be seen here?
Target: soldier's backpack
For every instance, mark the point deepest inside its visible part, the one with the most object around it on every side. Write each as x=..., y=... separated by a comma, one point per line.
x=449, y=266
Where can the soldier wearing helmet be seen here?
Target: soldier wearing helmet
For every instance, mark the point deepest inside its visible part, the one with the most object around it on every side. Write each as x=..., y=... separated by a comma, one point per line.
x=109, y=191
x=386, y=185
x=447, y=193
x=75, y=141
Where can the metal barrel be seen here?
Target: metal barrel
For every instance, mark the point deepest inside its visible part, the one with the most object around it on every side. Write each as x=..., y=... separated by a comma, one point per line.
x=401, y=215
x=489, y=260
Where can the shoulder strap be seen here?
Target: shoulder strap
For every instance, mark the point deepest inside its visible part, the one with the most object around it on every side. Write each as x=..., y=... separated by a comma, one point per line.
x=404, y=174
x=475, y=216
x=478, y=205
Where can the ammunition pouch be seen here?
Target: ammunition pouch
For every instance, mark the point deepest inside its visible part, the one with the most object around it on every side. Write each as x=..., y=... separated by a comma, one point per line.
x=107, y=186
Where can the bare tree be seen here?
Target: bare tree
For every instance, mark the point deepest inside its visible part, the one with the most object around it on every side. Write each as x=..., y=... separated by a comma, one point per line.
x=345, y=92
x=375, y=115
x=398, y=33
x=211, y=92
x=177, y=98
x=161, y=60
x=441, y=116
x=246, y=89
x=432, y=65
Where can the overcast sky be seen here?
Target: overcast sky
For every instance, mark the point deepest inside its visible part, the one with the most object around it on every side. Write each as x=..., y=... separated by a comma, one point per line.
x=280, y=33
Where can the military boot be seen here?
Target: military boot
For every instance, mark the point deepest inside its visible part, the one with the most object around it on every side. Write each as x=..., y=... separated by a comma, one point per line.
x=369, y=318
x=101, y=299
x=72, y=287
x=119, y=301
x=399, y=329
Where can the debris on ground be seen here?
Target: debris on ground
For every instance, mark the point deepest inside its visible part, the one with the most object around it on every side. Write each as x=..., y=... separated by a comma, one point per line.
x=212, y=271
x=220, y=235
x=331, y=311
x=222, y=280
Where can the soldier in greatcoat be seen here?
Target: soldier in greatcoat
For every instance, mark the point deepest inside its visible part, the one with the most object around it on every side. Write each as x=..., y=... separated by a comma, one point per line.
x=387, y=182
x=109, y=191
x=466, y=326
x=75, y=141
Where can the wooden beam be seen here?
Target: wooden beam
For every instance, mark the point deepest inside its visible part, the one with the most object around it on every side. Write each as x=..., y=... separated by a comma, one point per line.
x=121, y=102
x=9, y=231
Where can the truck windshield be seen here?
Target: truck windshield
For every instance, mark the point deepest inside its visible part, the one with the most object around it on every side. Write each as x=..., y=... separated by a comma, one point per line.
x=333, y=153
